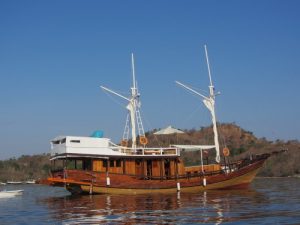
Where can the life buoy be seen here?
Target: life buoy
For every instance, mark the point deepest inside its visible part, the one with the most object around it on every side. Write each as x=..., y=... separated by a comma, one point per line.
x=143, y=140
x=226, y=151
x=124, y=143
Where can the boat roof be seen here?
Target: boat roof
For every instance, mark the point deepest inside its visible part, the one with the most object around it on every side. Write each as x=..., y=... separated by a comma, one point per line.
x=194, y=147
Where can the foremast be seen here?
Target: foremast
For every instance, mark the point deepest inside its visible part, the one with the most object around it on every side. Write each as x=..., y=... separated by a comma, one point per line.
x=209, y=102
x=133, y=115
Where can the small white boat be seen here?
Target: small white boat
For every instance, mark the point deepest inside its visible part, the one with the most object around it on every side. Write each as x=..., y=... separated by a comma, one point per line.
x=9, y=194
x=1, y=183
x=30, y=182
x=14, y=182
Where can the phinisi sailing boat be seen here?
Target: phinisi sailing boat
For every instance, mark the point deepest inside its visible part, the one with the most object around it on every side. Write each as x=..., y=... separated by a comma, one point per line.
x=97, y=165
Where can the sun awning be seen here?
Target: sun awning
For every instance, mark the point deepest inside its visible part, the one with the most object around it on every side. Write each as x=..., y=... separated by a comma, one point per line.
x=169, y=130
x=194, y=147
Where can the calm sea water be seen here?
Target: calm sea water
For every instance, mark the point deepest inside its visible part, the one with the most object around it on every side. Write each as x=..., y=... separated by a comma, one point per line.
x=268, y=201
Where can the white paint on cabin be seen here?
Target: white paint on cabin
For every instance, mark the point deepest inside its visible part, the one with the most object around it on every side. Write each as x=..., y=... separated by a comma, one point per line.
x=62, y=146
x=83, y=145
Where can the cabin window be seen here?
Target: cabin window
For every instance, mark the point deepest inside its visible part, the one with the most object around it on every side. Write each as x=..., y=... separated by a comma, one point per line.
x=104, y=163
x=75, y=141
x=63, y=141
x=87, y=164
x=138, y=162
x=57, y=165
x=70, y=164
x=118, y=163
x=74, y=164
x=55, y=142
x=111, y=163
x=78, y=164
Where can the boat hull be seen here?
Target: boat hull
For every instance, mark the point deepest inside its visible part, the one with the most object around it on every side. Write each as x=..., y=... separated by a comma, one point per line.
x=124, y=184
x=235, y=183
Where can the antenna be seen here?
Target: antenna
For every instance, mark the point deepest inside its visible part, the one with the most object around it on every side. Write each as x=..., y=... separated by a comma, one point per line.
x=133, y=72
x=208, y=67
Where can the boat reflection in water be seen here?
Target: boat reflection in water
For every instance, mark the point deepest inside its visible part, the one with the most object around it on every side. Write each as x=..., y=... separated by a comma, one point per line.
x=205, y=207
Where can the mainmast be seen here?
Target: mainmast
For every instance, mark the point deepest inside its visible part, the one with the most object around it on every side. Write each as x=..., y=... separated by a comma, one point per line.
x=133, y=112
x=133, y=104
x=209, y=102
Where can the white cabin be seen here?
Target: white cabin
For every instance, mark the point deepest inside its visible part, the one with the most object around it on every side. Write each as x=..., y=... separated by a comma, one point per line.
x=64, y=145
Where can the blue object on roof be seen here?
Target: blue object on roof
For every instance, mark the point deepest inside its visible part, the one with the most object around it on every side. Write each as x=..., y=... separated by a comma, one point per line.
x=98, y=134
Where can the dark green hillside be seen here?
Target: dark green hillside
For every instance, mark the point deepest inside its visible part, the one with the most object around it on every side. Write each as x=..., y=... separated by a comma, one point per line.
x=25, y=168
x=240, y=142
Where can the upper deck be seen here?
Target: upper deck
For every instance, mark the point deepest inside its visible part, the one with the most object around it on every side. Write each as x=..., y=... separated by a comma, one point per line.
x=75, y=146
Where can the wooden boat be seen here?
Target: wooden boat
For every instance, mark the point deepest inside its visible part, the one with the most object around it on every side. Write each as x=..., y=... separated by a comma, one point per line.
x=97, y=165
x=9, y=194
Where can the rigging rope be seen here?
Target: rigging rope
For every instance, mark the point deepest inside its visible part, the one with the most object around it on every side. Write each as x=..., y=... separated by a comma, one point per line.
x=151, y=127
x=189, y=117
x=114, y=100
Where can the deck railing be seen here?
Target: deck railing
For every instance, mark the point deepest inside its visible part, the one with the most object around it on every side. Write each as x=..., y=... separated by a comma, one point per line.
x=149, y=151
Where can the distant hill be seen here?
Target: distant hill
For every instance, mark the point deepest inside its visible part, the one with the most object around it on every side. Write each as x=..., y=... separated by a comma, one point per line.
x=25, y=168
x=241, y=143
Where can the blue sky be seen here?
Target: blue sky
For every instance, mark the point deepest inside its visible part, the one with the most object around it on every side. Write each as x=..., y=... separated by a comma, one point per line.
x=54, y=55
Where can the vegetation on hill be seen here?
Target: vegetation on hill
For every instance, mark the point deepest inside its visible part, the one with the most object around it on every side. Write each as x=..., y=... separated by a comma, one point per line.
x=25, y=168
x=240, y=142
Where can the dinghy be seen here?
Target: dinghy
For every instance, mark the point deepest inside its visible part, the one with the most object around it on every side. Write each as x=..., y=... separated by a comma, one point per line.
x=9, y=194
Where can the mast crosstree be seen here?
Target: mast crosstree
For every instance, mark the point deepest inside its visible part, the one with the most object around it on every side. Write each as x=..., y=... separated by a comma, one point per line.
x=134, y=116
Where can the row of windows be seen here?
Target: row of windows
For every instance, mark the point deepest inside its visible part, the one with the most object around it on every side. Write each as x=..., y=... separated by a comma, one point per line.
x=112, y=163
x=62, y=141
x=85, y=164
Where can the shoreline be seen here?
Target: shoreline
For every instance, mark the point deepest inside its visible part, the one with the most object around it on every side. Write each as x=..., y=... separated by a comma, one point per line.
x=295, y=176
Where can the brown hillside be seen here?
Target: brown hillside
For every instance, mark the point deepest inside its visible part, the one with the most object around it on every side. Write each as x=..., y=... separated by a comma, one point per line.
x=240, y=142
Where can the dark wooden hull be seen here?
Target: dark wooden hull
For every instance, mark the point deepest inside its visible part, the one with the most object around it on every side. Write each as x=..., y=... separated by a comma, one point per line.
x=92, y=182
